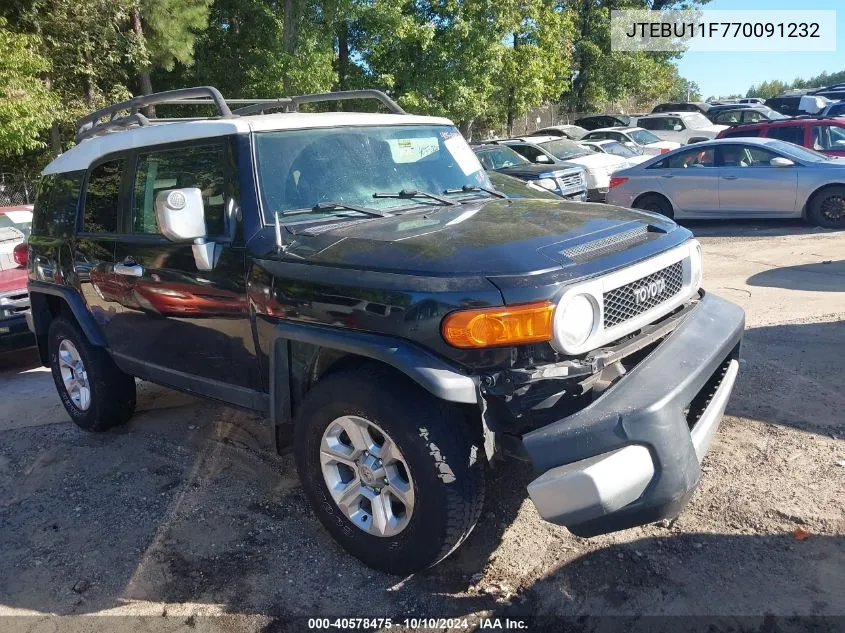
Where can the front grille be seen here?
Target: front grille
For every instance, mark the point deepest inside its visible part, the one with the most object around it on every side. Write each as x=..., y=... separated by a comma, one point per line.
x=637, y=297
x=573, y=180
x=14, y=303
x=587, y=251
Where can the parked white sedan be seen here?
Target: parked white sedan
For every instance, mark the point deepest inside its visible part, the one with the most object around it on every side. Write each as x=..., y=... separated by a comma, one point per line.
x=635, y=138
x=736, y=178
x=550, y=150
x=681, y=127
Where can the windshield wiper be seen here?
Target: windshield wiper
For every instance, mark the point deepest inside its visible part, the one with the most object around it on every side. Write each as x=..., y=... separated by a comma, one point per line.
x=410, y=194
x=471, y=188
x=327, y=206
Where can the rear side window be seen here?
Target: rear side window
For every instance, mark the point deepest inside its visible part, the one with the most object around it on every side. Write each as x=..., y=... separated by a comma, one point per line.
x=201, y=166
x=741, y=133
x=56, y=204
x=102, y=197
x=788, y=133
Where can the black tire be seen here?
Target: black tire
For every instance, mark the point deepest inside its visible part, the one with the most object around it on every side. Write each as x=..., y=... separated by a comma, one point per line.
x=444, y=463
x=827, y=208
x=112, y=393
x=656, y=204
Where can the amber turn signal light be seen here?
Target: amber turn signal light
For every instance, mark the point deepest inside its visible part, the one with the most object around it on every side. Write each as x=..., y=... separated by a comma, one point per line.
x=501, y=326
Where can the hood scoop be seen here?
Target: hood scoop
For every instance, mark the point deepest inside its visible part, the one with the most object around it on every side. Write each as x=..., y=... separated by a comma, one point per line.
x=590, y=247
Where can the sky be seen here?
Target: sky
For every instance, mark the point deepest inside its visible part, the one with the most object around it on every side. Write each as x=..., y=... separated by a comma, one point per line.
x=724, y=73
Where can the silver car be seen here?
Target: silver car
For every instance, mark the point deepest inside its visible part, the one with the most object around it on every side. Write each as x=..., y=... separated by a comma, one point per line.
x=734, y=178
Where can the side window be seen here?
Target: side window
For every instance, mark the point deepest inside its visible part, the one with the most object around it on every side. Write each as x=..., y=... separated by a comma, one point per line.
x=741, y=134
x=692, y=158
x=616, y=136
x=828, y=137
x=788, y=133
x=751, y=116
x=531, y=153
x=201, y=166
x=102, y=197
x=758, y=156
x=726, y=118
x=57, y=203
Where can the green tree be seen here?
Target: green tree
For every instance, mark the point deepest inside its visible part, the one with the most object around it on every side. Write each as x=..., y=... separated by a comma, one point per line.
x=536, y=66
x=163, y=33
x=27, y=104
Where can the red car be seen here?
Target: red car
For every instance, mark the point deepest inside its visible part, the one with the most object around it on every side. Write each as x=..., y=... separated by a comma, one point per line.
x=15, y=223
x=824, y=134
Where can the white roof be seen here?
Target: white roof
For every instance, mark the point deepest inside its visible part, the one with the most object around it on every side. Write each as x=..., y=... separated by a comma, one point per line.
x=158, y=133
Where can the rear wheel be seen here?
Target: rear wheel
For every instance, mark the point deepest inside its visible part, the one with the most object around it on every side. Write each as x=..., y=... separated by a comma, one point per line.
x=656, y=204
x=827, y=208
x=391, y=471
x=95, y=393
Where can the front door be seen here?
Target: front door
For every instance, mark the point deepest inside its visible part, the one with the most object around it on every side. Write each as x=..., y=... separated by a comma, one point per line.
x=183, y=323
x=750, y=185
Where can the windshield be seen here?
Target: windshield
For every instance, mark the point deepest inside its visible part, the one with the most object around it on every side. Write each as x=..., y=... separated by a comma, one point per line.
x=297, y=169
x=796, y=151
x=643, y=137
x=499, y=157
x=564, y=149
x=617, y=149
x=19, y=220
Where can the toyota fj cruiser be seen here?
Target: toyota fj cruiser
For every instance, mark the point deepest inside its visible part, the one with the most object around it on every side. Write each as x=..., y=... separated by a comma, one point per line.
x=355, y=277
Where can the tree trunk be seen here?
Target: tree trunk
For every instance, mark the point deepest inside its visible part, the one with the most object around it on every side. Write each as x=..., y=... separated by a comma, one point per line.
x=510, y=111
x=342, y=54
x=289, y=37
x=144, y=72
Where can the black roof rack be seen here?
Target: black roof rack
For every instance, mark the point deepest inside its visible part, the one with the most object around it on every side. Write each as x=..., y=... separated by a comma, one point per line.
x=291, y=104
x=91, y=125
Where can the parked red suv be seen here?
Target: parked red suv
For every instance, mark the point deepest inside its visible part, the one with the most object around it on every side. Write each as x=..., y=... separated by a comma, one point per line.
x=825, y=134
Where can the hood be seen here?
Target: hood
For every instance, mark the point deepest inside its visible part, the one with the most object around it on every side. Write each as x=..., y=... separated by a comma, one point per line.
x=606, y=161
x=532, y=171
x=636, y=160
x=13, y=279
x=490, y=237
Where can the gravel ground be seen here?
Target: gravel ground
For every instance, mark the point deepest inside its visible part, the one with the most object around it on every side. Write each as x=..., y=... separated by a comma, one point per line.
x=187, y=511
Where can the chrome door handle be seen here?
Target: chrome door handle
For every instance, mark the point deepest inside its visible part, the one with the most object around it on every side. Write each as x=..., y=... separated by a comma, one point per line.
x=668, y=175
x=729, y=177
x=130, y=271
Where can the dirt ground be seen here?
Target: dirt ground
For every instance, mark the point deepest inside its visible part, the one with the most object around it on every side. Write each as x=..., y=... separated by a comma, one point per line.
x=187, y=511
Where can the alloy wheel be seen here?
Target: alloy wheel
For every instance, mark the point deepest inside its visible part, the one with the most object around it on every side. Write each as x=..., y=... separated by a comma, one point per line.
x=74, y=375
x=367, y=476
x=833, y=208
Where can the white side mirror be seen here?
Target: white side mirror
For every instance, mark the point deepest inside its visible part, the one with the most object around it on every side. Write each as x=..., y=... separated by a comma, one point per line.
x=780, y=161
x=677, y=128
x=180, y=214
x=181, y=218
x=542, y=158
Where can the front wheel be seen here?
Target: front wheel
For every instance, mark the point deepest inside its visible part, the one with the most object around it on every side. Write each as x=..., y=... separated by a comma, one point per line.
x=391, y=472
x=827, y=208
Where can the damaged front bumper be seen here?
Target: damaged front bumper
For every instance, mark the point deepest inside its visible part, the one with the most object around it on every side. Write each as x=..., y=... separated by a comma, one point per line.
x=633, y=455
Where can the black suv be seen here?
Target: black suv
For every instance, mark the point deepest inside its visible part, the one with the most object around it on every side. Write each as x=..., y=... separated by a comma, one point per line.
x=355, y=278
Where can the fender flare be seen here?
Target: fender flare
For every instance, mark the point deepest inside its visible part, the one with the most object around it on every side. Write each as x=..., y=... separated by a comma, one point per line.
x=74, y=302
x=440, y=378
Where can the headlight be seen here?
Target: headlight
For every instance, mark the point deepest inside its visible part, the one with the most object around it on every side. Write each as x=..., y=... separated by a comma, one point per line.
x=696, y=266
x=547, y=183
x=575, y=321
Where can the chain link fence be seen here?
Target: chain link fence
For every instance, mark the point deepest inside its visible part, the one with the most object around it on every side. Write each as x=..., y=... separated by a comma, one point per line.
x=16, y=189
